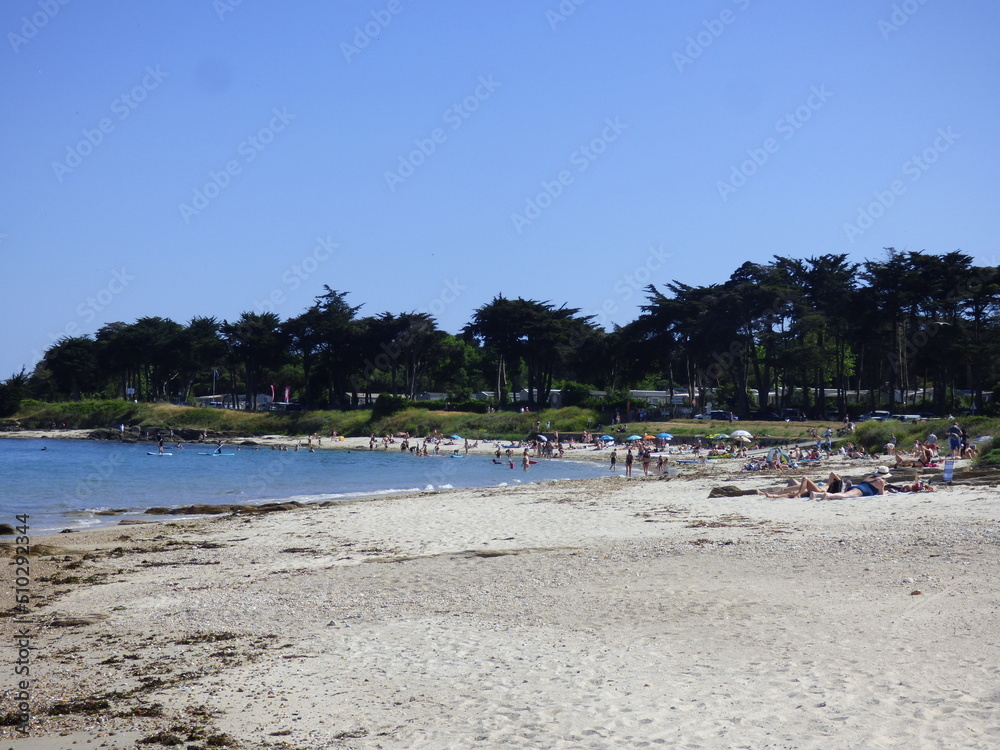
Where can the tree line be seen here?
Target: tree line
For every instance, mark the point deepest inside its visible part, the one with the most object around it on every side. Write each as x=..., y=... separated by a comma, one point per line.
x=912, y=327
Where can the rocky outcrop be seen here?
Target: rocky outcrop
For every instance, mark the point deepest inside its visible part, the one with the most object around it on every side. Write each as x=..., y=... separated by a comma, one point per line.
x=730, y=490
x=204, y=510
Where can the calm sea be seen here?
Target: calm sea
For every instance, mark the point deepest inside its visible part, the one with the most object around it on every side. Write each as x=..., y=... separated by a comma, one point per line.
x=68, y=483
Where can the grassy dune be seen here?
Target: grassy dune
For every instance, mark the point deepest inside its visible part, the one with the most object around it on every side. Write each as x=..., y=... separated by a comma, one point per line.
x=505, y=425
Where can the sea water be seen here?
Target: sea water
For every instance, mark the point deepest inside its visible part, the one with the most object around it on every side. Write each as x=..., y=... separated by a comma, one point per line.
x=75, y=483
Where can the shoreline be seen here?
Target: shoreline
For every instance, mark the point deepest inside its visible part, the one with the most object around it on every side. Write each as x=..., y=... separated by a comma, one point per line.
x=680, y=465
x=552, y=615
x=114, y=514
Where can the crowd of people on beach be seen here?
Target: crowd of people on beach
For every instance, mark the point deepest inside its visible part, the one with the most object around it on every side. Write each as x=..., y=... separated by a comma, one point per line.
x=654, y=454
x=924, y=454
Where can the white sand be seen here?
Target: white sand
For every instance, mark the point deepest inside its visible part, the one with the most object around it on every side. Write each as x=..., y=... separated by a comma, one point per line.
x=593, y=614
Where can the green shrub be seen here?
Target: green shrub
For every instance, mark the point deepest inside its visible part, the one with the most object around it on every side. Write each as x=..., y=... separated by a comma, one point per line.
x=387, y=404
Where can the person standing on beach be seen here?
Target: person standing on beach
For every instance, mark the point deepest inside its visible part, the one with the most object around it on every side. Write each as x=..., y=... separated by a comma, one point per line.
x=954, y=440
x=614, y=458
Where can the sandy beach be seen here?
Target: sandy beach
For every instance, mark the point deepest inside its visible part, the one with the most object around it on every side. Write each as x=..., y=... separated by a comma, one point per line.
x=605, y=613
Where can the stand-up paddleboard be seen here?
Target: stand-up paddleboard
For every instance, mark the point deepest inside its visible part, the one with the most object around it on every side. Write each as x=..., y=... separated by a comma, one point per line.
x=155, y=453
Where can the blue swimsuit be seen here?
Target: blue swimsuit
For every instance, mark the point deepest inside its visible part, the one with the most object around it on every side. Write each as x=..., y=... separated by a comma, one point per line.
x=867, y=490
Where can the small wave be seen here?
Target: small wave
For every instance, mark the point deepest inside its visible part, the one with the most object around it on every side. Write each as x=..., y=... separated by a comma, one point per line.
x=338, y=495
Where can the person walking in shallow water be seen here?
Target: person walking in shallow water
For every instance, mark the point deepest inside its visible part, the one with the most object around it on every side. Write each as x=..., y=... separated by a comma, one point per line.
x=629, y=458
x=614, y=458
x=525, y=461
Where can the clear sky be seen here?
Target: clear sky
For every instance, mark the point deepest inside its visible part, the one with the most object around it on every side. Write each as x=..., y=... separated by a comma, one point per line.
x=178, y=158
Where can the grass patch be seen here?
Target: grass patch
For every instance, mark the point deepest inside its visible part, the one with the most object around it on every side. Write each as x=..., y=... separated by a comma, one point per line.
x=504, y=425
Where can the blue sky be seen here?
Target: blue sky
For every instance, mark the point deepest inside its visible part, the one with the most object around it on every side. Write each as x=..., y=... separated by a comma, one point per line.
x=202, y=157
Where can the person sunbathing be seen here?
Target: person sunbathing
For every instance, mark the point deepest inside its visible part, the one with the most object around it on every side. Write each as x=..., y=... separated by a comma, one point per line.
x=922, y=456
x=806, y=487
x=874, y=484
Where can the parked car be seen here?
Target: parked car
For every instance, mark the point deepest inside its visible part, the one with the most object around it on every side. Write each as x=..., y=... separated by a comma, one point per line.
x=793, y=415
x=878, y=415
x=719, y=414
x=282, y=406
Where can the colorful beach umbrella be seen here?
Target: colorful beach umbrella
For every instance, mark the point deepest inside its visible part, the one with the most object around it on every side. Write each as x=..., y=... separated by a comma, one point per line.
x=606, y=438
x=741, y=433
x=456, y=437
x=665, y=436
x=633, y=437
x=720, y=436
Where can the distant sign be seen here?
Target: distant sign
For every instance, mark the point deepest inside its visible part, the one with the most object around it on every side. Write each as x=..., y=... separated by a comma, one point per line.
x=130, y=391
